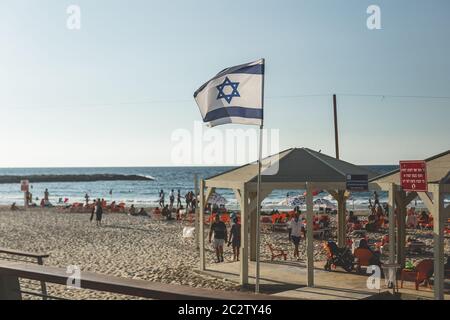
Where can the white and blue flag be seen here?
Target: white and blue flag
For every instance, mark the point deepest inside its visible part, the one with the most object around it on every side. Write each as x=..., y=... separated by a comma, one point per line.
x=234, y=95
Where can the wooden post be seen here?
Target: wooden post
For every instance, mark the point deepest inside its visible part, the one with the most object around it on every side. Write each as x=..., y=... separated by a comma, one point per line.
x=9, y=288
x=40, y=262
x=310, y=234
x=244, y=236
x=202, y=225
x=438, y=241
x=342, y=224
x=196, y=214
x=391, y=205
x=401, y=203
x=336, y=136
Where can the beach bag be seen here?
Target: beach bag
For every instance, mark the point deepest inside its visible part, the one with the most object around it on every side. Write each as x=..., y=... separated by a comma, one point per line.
x=188, y=232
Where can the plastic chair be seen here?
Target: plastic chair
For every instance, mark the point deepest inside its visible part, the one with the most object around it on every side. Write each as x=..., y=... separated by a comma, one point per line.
x=277, y=253
x=422, y=272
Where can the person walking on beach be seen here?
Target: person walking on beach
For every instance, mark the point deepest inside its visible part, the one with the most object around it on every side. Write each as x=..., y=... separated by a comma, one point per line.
x=86, y=197
x=178, y=199
x=98, y=213
x=46, y=196
x=187, y=198
x=235, y=238
x=171, y=198
x=295, y=231
x=219, y=229
x=161, y=198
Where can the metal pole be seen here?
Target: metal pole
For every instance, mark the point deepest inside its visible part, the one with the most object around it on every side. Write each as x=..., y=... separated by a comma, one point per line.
x=392, y=240
x=336, y=136
x=258, y=192
x=201, y=225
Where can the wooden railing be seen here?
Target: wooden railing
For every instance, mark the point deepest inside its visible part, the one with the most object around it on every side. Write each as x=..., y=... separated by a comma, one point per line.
x=23, y=256
x=11, y=272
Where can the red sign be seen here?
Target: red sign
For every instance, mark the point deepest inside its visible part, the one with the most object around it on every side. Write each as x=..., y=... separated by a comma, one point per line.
x=413, y=176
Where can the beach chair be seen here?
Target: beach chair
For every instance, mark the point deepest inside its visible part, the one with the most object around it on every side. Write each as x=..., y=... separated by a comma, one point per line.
x=277, y=253
x=422, y=272
x=274, y=218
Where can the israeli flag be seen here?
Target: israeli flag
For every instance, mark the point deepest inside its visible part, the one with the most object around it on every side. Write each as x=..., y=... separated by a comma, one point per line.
x=234, y=95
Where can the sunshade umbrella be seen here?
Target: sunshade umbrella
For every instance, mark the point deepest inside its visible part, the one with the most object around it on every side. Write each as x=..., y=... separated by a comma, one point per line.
x=217, y=199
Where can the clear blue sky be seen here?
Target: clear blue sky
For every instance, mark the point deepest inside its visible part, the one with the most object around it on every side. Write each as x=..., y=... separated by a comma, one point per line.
x=112, y=93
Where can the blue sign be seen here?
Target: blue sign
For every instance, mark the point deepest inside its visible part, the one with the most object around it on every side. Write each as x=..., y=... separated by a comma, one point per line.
x=357, y=182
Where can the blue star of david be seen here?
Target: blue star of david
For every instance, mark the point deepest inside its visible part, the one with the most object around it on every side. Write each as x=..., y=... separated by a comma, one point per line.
x=234, y=92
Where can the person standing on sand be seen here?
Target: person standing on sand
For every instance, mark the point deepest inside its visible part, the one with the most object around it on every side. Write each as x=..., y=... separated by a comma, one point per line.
x=295, y=230
x=219, y=229
x=86, y=197
x=178, y=199
x=98, y=213
x=46, y=195
x=235, y=238
x=161, y=198
x=171, y=198
x=376, y=199
x=188, y=201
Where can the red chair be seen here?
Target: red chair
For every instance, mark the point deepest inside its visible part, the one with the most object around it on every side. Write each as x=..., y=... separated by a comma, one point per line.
x=275, y=217
x=421, y=273
x=277, y=253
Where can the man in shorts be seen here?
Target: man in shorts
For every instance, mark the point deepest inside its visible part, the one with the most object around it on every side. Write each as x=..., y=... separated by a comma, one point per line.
x=219, y=229
x=295, y=231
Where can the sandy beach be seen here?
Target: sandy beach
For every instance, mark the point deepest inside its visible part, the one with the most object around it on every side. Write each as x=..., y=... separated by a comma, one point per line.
x=126, y=246
x=133, y=247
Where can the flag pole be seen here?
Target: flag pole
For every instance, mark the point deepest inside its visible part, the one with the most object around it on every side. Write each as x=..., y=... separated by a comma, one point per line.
x=258, y=191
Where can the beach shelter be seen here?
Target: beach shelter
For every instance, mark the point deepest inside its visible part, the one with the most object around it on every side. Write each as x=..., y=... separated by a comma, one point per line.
x=438, y=176
x=292, y=169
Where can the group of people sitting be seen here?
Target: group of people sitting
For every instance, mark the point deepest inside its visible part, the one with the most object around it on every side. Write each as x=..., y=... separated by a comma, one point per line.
x=376, y=220
x=142, y=212
x=414, y=220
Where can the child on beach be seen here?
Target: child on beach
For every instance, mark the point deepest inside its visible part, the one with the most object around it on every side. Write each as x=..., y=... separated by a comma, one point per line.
x=219, y=230
x=235, y=238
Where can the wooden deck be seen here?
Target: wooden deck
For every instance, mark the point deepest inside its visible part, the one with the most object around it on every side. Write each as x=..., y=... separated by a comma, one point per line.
x=133, y=287
x=288, y=280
